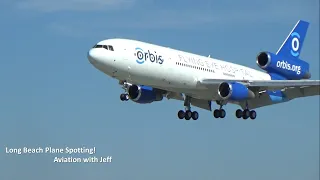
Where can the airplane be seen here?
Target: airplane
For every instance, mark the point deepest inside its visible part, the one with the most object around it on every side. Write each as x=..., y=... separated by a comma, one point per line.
x=149, y=73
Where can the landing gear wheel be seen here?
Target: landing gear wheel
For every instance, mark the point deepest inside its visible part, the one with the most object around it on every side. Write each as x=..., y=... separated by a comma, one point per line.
x=239, y=113
x=253, y=114
x=216, y=113
x=222, y=113
x=246, y=114
x=219, y=113
x=124, y=97
x=195, y=115
x=181, y=114
x=188, y=115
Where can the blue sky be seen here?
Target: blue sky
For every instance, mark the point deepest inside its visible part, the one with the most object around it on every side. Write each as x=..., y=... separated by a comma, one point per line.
x=52, y=96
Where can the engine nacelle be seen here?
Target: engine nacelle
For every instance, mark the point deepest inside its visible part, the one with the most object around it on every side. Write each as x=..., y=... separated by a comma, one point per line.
x=288, y=68
x=144, y=94
x=234, y=91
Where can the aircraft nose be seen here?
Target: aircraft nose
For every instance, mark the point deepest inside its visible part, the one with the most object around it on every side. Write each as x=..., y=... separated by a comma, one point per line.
x=92, y=56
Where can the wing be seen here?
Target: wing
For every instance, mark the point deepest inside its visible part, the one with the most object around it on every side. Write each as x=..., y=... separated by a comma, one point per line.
x=290, y=88
x=280, y=84
x=264, y=84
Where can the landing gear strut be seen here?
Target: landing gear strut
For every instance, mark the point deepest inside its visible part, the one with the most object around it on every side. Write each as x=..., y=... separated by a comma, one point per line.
x=219, y=113
x=124, y=96
x=246, y=113
x=188, y=114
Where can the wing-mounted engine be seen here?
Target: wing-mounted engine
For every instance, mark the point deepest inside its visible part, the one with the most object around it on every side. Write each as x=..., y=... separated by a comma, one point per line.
x=234, y=91
x=144, y=94
x=288, y=68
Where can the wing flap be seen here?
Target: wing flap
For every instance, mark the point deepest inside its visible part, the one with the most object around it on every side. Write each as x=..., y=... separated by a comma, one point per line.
x=280, y=84
x=292, y=93
x=203, y=104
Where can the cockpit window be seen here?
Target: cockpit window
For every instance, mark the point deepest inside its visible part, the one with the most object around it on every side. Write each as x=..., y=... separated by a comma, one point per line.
x=107, y=47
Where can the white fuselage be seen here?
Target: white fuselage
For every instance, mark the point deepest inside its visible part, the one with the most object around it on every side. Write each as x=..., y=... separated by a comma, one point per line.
x=179, y=71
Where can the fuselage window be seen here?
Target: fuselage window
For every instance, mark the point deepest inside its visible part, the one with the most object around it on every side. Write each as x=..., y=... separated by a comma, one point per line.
x=194, y=67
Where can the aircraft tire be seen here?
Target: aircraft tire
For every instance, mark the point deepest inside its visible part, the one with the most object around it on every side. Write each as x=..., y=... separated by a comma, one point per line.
x=239, y=113
x=122, y=97
x=181, y=114
x=216, y=113
x=195, y=115
x=253, y=114
x=188, y=115
x=245, y=114
x=222, y=113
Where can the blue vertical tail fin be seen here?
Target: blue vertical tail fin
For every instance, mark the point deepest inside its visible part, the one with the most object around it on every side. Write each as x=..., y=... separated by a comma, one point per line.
x=292, y=46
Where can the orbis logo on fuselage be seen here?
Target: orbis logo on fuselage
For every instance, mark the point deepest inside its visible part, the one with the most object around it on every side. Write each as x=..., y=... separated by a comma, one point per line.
x=143, y=56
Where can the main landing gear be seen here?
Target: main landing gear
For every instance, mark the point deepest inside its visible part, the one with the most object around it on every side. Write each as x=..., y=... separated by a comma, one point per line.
x=245, y=114
x=219, y=113
x=188, y=114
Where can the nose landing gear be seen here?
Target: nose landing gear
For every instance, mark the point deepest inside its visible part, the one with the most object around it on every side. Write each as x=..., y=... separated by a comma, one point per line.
x=124, y=97
x=125, y=86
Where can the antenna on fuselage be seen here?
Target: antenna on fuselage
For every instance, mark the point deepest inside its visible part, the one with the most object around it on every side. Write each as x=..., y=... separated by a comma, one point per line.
x=209, y=56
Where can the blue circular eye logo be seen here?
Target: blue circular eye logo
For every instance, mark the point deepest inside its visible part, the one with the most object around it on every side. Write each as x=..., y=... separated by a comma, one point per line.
x=295, y=44
x=140, y=56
